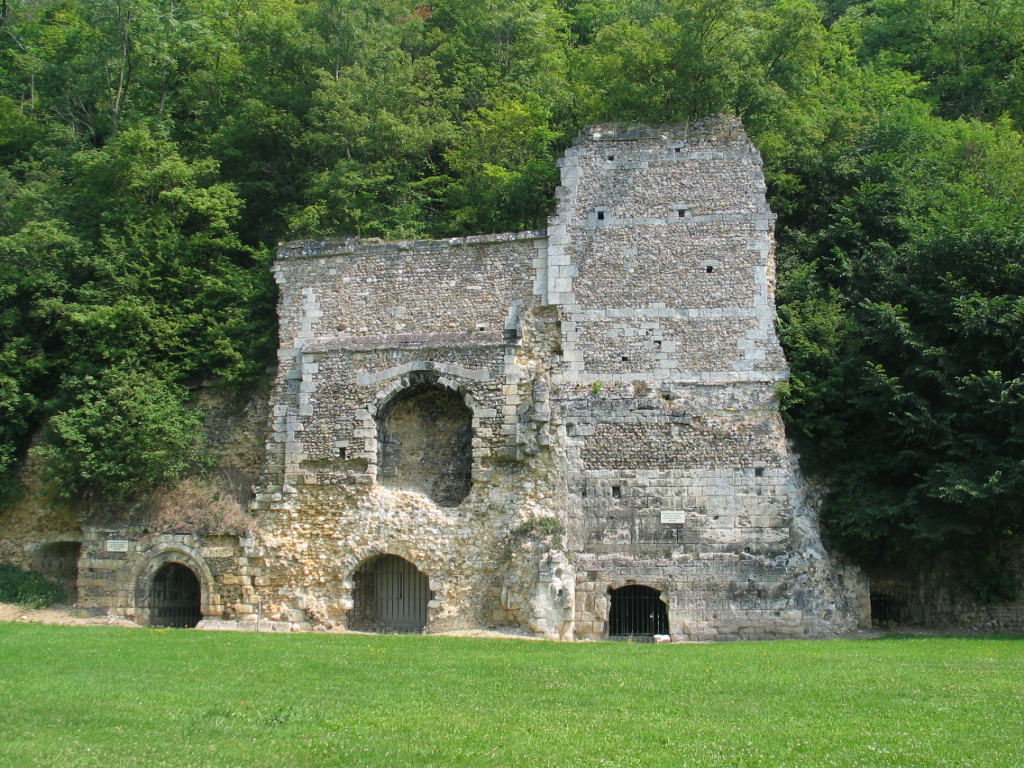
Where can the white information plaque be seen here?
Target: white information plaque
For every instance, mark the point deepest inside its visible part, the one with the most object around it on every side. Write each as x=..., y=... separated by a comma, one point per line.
x=117, y=545
x=673, y=516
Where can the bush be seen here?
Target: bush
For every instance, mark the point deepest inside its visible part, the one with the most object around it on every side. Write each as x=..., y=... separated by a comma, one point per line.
x=125, y=433
x=541, y=527
x=28, y=588
x=199, y=506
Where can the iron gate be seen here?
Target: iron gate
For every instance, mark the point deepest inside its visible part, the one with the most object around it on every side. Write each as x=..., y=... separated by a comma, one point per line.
x=400, y=595
x=391, y=596
x=637, y=612
x=886, y=607
x=175, y=598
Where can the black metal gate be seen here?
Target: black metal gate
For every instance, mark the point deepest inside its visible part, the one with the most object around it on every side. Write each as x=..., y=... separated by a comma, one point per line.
x=390, y=595
x=636, y=612
x=175, y=598
x=886, y=608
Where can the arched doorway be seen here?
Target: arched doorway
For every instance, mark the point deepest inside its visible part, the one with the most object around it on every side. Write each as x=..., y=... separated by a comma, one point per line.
x=425, y=442
x=59, y=561
x=175, y=598
x=389, y=595
x=636, y=612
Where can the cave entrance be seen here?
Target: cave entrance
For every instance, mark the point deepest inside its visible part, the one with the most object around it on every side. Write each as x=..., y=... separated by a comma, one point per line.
x=637, y=612
x=425, y=443
x=390, y=594
x=175, y=598
x=59, y=561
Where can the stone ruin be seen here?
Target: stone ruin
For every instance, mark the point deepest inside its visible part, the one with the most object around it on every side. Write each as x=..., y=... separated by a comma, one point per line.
x=571, y=432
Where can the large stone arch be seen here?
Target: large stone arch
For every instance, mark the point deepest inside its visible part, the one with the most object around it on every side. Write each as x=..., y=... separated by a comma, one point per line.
x=149, y=564
x=394, y=382
x=351, y=564
x=424, y=425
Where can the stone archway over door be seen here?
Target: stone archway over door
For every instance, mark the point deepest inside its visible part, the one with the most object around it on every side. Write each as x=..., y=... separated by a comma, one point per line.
x=390, y=595
x=175, y=597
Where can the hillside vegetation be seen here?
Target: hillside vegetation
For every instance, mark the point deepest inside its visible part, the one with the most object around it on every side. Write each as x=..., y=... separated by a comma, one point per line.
x=152, y=152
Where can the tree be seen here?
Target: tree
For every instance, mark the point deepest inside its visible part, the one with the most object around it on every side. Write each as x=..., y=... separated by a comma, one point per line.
x=123, y=433
x=969, y=53
x=167, y=282
x=903, y=334
x=489, y=51
x=506, y=174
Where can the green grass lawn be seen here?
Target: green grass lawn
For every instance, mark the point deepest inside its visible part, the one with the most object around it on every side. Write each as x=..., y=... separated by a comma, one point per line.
x=97, y=696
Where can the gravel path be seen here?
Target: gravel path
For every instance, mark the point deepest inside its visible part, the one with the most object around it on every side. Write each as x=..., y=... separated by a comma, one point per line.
x=68, y=614
x=59, y=614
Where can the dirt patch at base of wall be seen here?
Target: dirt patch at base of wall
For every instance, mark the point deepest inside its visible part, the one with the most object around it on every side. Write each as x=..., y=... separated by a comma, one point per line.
x=60, y=614
x=69, y=615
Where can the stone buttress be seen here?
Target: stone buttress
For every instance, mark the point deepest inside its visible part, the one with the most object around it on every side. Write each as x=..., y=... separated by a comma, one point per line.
x=660, y=261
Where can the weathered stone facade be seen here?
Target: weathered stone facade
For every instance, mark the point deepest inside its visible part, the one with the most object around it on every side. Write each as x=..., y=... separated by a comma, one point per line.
x=616, y=373
x=534, y=421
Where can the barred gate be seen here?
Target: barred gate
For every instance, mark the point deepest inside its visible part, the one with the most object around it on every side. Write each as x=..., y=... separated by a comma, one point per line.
x=636, y=612
x=390, y=595
x=886, y=607
x=175, y=598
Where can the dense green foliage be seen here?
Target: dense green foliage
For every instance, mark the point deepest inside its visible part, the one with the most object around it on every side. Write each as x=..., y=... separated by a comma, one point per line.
x=136, y=697
x=153, y=151
x=27, y=588
x=903, y=321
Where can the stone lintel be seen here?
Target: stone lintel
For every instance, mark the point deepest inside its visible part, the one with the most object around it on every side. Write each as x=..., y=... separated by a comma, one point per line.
x=455, y=340
x=352, y=246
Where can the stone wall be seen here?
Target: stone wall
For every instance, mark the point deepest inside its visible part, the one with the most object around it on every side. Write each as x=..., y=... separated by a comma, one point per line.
x=933, y=595
x=532, y=420
x=617, y=375
x=668, y=376
x=118, y=564
x=39, y=530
